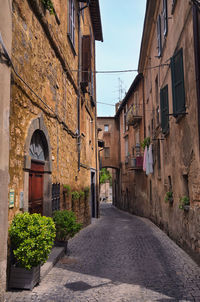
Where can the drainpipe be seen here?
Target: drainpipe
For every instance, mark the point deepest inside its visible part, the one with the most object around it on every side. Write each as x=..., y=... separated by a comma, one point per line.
x=78, y=96
x=197, y=60
x=79, y=82
x=143, y=107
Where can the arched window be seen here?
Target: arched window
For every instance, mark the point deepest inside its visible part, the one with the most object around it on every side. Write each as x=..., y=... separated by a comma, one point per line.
x=38, y=148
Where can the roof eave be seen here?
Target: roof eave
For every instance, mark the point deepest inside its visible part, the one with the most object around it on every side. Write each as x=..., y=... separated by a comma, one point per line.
x=148, y=21
x=96, y=19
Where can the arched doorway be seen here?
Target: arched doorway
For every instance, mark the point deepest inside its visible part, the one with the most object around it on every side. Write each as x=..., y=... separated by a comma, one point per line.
x=39, y=153
x=37, y=169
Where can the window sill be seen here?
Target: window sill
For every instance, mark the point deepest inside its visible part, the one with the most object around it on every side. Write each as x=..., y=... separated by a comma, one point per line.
x=72, y=45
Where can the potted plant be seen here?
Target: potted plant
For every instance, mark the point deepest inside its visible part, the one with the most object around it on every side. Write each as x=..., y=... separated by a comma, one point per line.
x=146, y=142
x=184, y=203
x=67, y=195
x=169, y=197
x=75, y=199
x=32, y=237
x=66, y=227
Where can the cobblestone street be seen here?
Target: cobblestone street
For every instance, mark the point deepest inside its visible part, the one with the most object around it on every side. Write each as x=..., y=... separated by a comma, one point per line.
x=119, y=257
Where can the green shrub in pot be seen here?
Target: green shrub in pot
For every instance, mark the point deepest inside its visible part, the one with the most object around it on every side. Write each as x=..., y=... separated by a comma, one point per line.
x=66, y=225
x=32, y=237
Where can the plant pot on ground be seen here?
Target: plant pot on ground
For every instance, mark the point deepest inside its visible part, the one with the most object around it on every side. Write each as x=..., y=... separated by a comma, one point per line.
x=32, y=237
x=66, y=227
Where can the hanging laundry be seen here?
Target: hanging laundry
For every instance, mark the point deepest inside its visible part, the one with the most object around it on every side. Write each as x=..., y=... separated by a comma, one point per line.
x=147, y=162
x=144, y=160
x=150, y=157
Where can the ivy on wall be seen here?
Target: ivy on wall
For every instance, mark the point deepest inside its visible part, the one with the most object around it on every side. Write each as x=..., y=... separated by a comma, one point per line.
x=49, y=6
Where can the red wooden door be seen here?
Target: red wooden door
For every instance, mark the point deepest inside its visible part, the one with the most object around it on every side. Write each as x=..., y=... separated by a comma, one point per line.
x=36, y=179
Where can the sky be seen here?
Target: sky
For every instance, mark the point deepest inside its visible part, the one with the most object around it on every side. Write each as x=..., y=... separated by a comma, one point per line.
x=122, y=32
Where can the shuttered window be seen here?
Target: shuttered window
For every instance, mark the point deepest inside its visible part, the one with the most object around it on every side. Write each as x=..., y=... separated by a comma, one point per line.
x=178, y=89
x=86, y=59
x=164, y=107
x=71, y=21
x=159, y=38
x=165, y=18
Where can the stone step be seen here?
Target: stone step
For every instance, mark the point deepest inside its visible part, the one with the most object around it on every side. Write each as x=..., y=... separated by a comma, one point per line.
x=54, y=257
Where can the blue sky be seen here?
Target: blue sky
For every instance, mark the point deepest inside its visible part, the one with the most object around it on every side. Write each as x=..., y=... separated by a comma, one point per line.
x=122, y=31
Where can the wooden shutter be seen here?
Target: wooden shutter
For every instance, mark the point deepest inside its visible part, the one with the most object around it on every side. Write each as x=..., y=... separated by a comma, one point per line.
x=159, y=39
x=165, y=18
x=86, y=59
x=178, y=89
x=164, y=107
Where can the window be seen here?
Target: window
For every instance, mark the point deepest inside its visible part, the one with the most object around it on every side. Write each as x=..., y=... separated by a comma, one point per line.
x=164, y=106
x=125, y=126
x=173, y=5
x=178, y=90
x=126, y=146
x=165, y=18
x=71, y=22
x=86, y=59
x=157, y=101
x=159, y=38
x=106, y=152
x=106, y=128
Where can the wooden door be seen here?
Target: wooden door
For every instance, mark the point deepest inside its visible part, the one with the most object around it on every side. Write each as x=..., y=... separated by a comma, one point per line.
x=36, y=179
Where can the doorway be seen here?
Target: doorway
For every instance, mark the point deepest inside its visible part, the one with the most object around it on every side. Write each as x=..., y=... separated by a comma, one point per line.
x=93, y=195
x=36, y=183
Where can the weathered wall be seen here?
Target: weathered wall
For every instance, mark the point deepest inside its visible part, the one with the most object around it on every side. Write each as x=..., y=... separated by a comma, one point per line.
x=133, y=185
x=111, y=139
x=6, y=33
x=178, y=169
x=43, y=56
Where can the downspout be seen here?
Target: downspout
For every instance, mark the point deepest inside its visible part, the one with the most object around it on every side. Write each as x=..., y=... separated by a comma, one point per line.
x=197, y=60
x=143, y=107
x=79, y=85
x=96, y=145
x=78, y=96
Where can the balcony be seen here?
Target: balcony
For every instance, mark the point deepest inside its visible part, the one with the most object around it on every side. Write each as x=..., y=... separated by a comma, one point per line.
x=136, y=163
x=133, y=116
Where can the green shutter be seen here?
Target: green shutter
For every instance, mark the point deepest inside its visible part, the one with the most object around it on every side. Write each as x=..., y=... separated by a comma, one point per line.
x=178, y=89
x=164, y=107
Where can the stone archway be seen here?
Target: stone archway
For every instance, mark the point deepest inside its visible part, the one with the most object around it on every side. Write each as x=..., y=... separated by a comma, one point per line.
x=38, y=157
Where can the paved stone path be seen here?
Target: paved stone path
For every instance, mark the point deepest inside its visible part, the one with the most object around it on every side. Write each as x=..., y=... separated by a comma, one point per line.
x=119, y=258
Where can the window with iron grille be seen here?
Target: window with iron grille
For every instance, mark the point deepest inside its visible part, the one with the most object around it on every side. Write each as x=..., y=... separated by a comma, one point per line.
x=178, y=89
x=71, y=21
x=164, y=106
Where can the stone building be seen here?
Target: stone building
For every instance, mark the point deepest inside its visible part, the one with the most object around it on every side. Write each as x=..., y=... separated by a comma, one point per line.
x=168, y=62
x=6, y=35
x=53, y=136
x=109, y=153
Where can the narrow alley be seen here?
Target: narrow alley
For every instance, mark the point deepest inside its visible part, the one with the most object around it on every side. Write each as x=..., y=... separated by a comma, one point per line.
x=119, y=257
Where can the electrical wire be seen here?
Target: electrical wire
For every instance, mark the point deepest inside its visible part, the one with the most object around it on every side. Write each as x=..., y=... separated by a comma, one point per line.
x=6, y=55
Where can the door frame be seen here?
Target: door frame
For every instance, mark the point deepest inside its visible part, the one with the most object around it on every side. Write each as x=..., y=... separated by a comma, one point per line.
x=38, y=124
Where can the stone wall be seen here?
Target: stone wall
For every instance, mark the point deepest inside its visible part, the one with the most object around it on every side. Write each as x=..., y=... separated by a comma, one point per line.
x=44, y=58
x=6, y=33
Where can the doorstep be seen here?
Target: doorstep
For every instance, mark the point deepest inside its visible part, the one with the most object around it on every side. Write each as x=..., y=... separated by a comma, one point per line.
x=54, y=257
